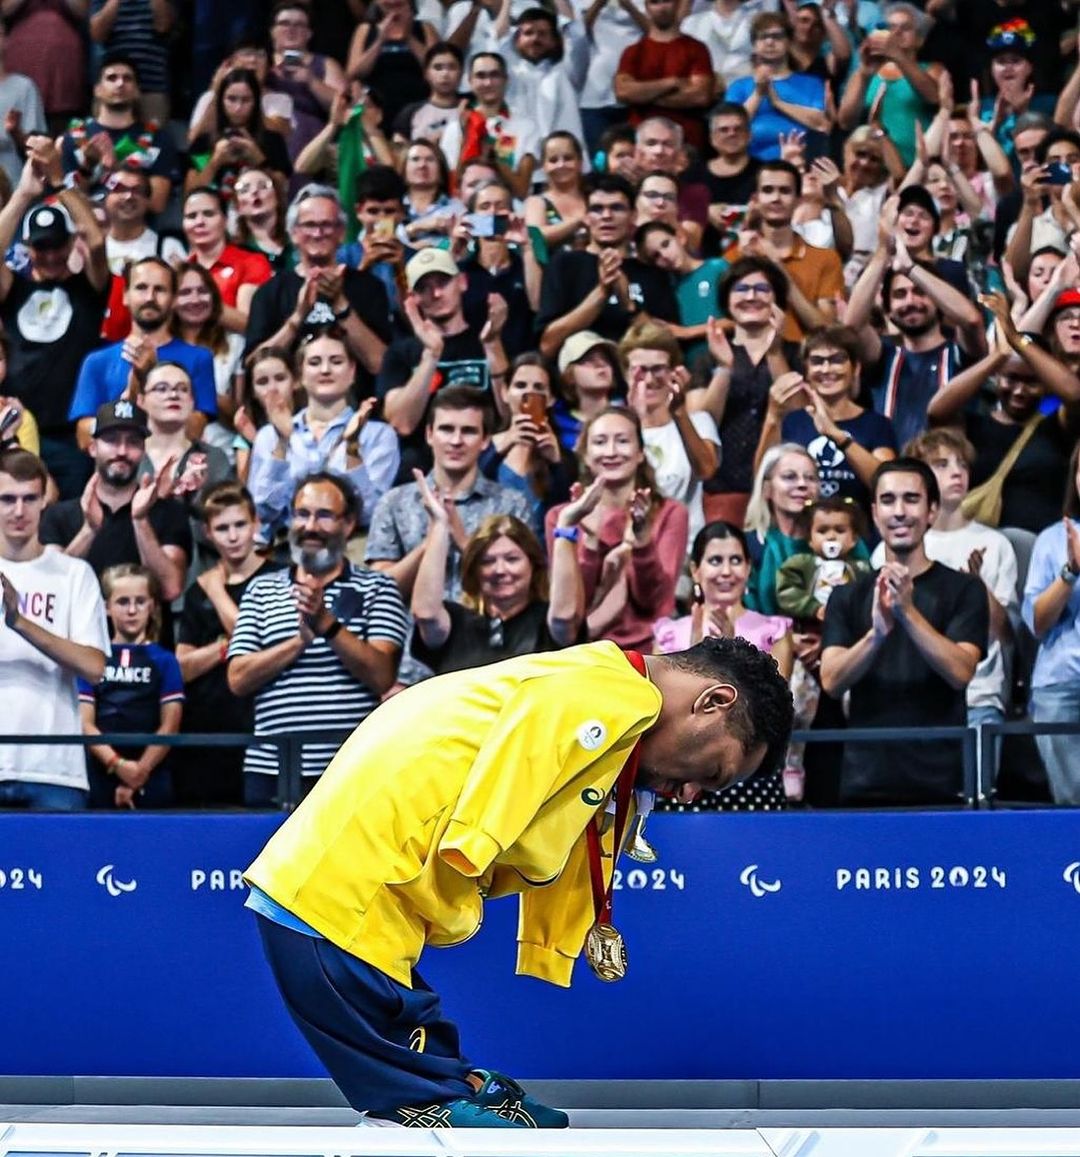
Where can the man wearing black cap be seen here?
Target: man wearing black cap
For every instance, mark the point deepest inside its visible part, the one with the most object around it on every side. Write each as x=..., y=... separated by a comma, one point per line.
x=918, y=220
x=119, y=519
x=53, y=316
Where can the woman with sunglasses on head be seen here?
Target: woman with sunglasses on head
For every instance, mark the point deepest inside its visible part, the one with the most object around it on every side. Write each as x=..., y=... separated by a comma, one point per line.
x=1024, y=374
x=259, y=218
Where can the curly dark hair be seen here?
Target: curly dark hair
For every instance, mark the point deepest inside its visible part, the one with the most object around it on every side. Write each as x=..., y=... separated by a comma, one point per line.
x=764, y=712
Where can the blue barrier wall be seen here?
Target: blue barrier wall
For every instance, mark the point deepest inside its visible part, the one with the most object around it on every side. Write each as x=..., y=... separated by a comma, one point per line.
x=784, y=946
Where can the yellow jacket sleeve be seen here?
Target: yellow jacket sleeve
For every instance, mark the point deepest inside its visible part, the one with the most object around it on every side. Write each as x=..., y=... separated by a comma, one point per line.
x=534, y=748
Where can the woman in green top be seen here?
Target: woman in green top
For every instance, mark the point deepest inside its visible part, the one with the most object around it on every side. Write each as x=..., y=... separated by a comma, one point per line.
x=694, y=280
x=890, y=84
x=786, y=481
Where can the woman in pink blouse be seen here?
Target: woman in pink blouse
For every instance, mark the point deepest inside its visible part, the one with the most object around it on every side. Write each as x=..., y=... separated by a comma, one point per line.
x=631, y=547
x=720, y=567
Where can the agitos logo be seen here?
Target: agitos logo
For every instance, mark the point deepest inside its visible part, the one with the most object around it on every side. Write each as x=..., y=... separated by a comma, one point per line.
x=748, y=877
x=112, y=885
x=1071, y=875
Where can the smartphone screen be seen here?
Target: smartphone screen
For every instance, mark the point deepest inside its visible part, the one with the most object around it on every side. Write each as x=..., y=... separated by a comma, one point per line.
x=1059, y=173
x=482, y=224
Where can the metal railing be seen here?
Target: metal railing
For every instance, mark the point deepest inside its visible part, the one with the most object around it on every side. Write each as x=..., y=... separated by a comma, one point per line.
x=978, y=747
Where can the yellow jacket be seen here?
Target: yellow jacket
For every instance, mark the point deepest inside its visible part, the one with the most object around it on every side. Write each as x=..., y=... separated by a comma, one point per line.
x=478, y=783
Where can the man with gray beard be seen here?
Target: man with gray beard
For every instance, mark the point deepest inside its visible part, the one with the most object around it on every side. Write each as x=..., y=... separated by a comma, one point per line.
x=317, y=644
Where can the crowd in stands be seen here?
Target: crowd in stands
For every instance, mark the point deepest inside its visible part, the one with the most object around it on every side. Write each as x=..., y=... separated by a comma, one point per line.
x=345, y=344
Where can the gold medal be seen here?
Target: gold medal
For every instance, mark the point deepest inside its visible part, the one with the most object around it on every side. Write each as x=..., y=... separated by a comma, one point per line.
x=605, y=951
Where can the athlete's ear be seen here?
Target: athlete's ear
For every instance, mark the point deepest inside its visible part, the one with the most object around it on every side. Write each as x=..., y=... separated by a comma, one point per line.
x=716, y=697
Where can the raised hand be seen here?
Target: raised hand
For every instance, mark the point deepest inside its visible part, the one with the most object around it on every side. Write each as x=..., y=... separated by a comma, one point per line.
x=279, y=411
x=583, y=501
x=150, y=489
x=433, y=502
x=90, y=503
x=498, y=311
x=639, y=524
x=359, y=420
x=881, y=612
x=789, y=393
x=1072, y=538
x=717, y=340
x=428, y=333
x=793, y=146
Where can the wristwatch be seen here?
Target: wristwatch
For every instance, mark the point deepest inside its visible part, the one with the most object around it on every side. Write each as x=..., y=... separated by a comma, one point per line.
x=845, y=445
x=1067, y=574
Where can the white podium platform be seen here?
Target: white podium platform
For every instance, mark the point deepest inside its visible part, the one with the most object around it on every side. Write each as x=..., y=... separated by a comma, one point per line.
x=117, y=1140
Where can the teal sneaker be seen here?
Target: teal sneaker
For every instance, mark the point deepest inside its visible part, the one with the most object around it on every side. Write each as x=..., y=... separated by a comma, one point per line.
x=464, y=1113
x=503, y=1095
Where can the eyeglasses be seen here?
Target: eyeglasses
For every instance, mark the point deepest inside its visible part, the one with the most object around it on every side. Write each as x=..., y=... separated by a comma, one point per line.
x=820, y=360
x=164, y=388
x=317, y=226
x=1068, y=315
x=753, y=288
x=658, y=195
x=321, y=517
x=653, y=371
x=772, y=34
x=242, y=188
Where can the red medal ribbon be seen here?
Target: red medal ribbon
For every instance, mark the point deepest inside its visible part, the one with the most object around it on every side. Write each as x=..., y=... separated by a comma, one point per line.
x=623, y=790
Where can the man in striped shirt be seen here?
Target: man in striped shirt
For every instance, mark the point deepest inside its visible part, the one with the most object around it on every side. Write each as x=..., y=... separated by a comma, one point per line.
x=317, y=644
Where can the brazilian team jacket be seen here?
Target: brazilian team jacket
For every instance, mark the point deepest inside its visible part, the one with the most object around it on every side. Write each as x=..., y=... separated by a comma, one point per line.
x=476, y=784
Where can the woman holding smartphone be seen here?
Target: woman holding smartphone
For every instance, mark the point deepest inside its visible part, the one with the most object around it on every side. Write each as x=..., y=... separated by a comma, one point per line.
x=527, y=456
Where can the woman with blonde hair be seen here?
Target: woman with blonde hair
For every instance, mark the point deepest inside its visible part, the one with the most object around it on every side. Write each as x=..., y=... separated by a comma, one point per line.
x=786, y=480
x=506, y=608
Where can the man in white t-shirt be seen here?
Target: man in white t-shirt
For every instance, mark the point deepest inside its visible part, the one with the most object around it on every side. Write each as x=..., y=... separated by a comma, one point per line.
x=957, y=542
x=682, y=448
x=53, y=630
